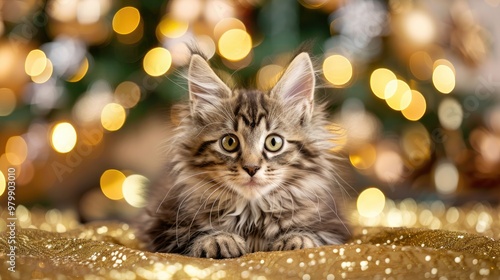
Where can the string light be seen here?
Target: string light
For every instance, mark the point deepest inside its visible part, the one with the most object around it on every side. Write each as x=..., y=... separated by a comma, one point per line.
x=398, y=95
x=126, y=20
x=379, y=80
x=127, y=94
x=3, y=183
x=63, y=137
x=35, y=63
x=446, y=178
x=268, y=76
x=443, y=76
x=363, y=157
x=111, y=184
x=16, y=150
x=157, y=61
x=7, y=101
x=370, y=202
x=133, y=190
x=417, y=107
x=337, y=70
x=113, y=116
x=235, y=44
x=81, y=72
x=172, y=28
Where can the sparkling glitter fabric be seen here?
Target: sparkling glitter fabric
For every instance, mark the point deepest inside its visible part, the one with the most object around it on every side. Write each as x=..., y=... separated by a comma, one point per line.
x=111, y=251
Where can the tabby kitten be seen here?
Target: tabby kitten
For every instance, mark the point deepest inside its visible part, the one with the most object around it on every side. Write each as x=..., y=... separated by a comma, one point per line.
x=248, y=171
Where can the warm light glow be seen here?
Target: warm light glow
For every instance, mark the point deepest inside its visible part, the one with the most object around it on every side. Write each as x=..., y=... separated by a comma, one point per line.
x=370, y=203
x=63, y=137
x=157, y=61
x=113, y=116
x=3, y=183
x=363, y=157
x=419, y=27
x=416, y=144
x=133, y=190
x=228, y=24
x=16, y=150
x=126, y=20
x=398, y=95
x=379, y=80
x=45, y=75
x=111, y=184
x=35, y=63
x=7, y=101
x=417, y=107
x=339, y=137
x=268, y=76
x=235, y=44
x=81, y=72
x=450, y=114
x=172, y=28
x=388, y=166
x=446, y=178
x=127, y=94
x=443, y=76
x=337, y=70
x=421, y=65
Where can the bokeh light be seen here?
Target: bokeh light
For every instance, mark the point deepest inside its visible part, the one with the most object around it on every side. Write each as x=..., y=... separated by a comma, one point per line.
x=36, y=62
x=419, y=27
x=235, y=44
x=416, y=144
x=111, y=184
x=80, y=72
x=63, y=137
x=370, y=202
x=389, y=165
x=227, y=24
x=133, y=190
x=7, y=101
x=443, y=76
x=126, y=20
x=113, y=116
x=16, y=150
x=3, y=183
x=157, y=61
x=398, y=95
x=268, y=76
x=450, y=113
x=337, y=70
x=171, y=27
x=417, y=107
x=45, y=74
x=127, y=94
x=421, y=65
x=446, y=177
x=363, y=157
x=379, y=80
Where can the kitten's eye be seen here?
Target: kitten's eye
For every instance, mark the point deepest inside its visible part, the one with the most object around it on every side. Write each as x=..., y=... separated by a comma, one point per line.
x=274, y=143
x=230, y=143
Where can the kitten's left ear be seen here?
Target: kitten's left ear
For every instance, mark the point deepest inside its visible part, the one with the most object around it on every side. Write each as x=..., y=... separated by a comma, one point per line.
x=296, y=86
x=205, y=87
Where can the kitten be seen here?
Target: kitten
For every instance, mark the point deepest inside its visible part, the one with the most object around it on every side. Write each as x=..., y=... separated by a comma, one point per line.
x=248, y=171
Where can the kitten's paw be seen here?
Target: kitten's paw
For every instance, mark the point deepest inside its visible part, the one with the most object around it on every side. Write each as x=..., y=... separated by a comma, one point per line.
x=219, y=245
x=294, y=241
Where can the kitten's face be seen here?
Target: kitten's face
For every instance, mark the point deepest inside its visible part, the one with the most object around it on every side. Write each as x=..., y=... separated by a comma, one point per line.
x=250, y=141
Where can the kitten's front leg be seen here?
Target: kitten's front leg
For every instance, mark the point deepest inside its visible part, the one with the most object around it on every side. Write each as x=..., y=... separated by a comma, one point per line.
x=295, y=240
x=218, y=245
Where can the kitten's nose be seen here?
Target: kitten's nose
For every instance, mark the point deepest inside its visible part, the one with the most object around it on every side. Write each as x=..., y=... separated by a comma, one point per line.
x=251, y=169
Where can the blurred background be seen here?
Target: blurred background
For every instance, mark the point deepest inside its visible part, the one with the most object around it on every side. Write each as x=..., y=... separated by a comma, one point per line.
x=86, y=87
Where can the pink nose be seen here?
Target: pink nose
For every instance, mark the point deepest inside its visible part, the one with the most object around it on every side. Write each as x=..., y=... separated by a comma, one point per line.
x=251, y=169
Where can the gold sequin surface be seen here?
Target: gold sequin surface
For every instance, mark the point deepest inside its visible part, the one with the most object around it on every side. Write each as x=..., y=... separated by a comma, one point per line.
x=110, y=250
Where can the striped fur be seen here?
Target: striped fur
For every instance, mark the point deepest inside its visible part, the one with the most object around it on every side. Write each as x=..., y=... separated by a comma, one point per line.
x=209, y=204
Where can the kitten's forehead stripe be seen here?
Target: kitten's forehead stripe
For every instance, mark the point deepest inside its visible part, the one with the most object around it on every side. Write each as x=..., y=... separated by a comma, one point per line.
x=251, y=108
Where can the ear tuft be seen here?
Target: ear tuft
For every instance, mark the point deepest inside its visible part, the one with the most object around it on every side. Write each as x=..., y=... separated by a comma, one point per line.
x=296, y=86
x=205, y=87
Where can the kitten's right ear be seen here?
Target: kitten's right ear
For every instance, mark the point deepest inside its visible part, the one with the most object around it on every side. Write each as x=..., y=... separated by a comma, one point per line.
x=205, y=87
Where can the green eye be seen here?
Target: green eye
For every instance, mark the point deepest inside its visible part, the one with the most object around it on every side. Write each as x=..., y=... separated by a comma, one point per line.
x=274, y=143
x=230, y=143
